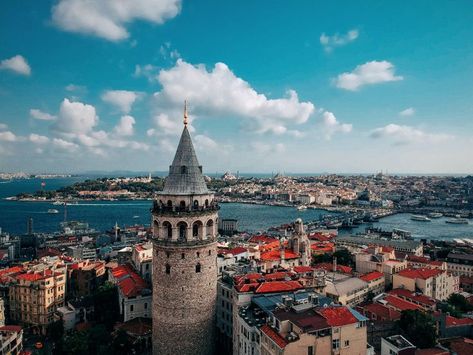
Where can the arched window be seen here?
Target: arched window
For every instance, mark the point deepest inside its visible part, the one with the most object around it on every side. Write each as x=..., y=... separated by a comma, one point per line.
x=183, y=256
x=169, y=203
x=155, y=228
x=198, y=267
x=182, y=227
x=182, y=204
x=196, y=204
x=206, y=203
x=167, y=227
x=197, y=229
x=210, y=252
x=198, y=254
x=168, y=269
x=183, y=169
x=210, y=228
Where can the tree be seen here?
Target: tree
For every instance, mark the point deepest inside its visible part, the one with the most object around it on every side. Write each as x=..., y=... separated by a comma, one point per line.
x=106, y=307
x=121, y=344
x=460, y=303
x=76, y=344
x=344, y=257
x=418, y=327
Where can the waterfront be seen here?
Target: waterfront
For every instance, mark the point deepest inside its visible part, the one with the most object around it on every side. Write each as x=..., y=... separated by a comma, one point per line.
x=102, y=215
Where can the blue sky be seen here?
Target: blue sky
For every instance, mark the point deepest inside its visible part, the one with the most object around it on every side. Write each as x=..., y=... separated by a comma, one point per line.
x=300, y=86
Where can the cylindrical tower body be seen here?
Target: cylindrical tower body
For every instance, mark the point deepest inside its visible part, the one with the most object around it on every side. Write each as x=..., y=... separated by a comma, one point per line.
x=184, y=220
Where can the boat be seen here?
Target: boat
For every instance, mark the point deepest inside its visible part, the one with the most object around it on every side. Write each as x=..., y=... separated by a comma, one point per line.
x=52, y=211
x=136, y=216
x=457, y=221
x=301, y=208
x=57, y=203
x=420, y=218
x=435, y=215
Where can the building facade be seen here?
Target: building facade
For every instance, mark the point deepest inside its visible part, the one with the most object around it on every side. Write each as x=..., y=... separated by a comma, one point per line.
x=184, y=220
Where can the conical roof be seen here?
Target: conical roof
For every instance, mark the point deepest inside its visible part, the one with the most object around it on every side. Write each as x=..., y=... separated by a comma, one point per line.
x=185, y=173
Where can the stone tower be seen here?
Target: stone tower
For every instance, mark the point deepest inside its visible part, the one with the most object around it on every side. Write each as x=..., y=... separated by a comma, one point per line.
x=184, y=220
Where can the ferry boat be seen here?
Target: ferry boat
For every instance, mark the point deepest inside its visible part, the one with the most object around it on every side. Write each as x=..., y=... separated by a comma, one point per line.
x=457, y=221
x=301, y=208
x=52, y=211
x=57, y=203
x=435, y=215
x=420, y=218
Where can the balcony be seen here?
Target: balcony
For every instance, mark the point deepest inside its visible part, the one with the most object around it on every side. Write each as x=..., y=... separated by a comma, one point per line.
x=187, y=210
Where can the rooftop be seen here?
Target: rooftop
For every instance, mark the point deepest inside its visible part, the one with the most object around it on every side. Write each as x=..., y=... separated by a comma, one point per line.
x=371, y=276
x=399, y=342
x=420, y=273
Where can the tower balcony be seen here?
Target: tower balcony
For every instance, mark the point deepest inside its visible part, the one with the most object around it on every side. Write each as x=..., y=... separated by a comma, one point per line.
x=183, y=210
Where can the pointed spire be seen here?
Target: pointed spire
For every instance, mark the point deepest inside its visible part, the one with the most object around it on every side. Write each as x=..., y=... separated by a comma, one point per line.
x=185, y=113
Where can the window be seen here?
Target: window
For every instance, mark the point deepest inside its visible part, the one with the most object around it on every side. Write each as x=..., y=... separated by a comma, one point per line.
x=335, y=344
x=131, y=308
x=183, y=169
x=146, y=305
x=210, y=252
x=168, y=269
x=347, y=343
x=310, y=350
x=183, y=256
x=198, y=254
x=197, y=268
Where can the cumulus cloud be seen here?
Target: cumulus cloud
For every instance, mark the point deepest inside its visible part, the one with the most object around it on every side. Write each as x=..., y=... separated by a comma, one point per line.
x=331, y=125
x=407, y=112
x=65, y=145
x=219, y=92
x=374, y=72
x=125, y=126
x=40, y=115
x=108, y=18
x=337, y=40
x=8, y=136
x=169, y=53
x=204, y=142
x=18, y=64
x=38, y=139
x=148, y=71
x=76, y=117
x=122, y=99
x=75, y=88
x=400, y=134
x=3, y=126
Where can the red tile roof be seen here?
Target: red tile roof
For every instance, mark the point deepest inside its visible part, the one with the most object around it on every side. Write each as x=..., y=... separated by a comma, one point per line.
x=420, y=273
x=338, y=316
x=237, y=250
x=279, y=286
x=400, y=304
x=274, y=255
x=454, y=322
x=274, y=336
x=424, y=260
x=371, y=276
x=403, y=293
x=302, y=269
x=10, y=328
x=262, y=239
x=329, y=267
x=130, y=283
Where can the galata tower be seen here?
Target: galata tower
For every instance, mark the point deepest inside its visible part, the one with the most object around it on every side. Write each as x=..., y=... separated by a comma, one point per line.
x=184, y=220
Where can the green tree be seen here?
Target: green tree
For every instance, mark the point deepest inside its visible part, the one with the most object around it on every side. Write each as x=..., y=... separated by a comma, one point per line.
x=344, y=257
x=121, y=344
x=418, y=327
x=460, y=303
x=106, y=307
x=76, y=344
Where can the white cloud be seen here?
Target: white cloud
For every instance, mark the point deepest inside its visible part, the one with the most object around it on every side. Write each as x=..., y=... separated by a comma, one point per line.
x=167, y=52
x=8, y=136
x=40, y=115
x=65, y=145
x=205, y=143
x=38, y=139
x=331, y=125
x=18, y=64
x=73, y=87
x=122, y=99
x=148, y=71
x=125, y=126
x=407, y=112
x=265, y=148
x=76, y=117
x=3, y=126
x=219, y=92
x=407, y=134
x=337, y=40
x=374, y=72
x=108, y=18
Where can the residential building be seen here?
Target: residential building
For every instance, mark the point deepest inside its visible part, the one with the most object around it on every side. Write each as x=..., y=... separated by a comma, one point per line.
x=82, y=252
x=134, y=294
x=142, y=259
x=375, y=280
x=346, y=290
x=358, y=243
x=434, y=283
x=379, y=259
x=397, y=345
x=35, y=295
x=85, y=277
x=460, y=264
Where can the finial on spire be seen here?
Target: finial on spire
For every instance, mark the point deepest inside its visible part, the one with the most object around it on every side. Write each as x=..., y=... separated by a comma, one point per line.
x=185, y=112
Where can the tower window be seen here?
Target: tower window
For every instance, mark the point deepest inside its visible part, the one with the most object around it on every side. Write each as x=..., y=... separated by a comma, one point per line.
x=183, y=256
x=183, y=169
x=169, y=203
x=198, y=254
x=198, y=267
x=182, y=204
x=210, y=252
x=168, y=269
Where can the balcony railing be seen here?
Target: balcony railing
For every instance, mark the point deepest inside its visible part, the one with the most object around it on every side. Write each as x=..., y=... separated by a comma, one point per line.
x=157, y=208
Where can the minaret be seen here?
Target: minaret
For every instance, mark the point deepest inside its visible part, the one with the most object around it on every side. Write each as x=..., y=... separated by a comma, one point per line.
x=184, y=217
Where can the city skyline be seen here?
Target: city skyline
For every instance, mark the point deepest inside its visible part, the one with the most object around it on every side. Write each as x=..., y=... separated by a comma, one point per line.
x=270, y=88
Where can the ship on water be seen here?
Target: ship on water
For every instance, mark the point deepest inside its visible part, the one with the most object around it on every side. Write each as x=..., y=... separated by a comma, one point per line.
x=52, y=211
x=435, y=215
x=420, y=218
x=457, y=221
